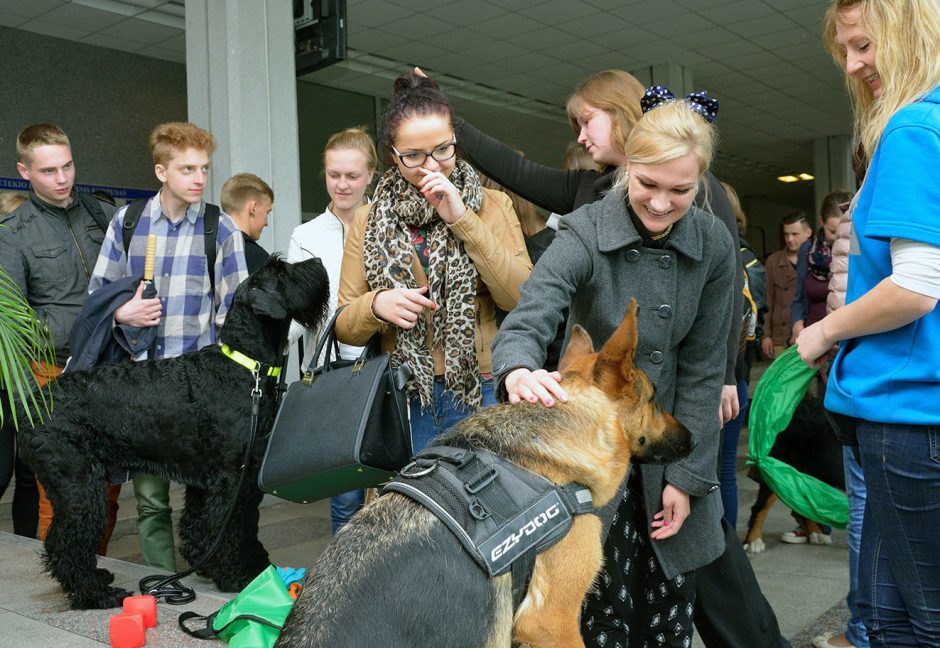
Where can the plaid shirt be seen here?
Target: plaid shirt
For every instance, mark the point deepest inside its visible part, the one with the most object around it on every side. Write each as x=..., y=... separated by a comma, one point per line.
x=180, y=273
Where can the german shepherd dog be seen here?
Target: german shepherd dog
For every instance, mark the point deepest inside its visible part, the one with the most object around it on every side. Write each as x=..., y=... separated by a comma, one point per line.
x=396, y=576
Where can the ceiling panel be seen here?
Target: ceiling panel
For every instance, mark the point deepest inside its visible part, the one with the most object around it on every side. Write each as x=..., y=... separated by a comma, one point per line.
x=762, y=59
x=731, y=12
x=51, y=29
x=30, y=9
x=141, y=31
x=11, y=20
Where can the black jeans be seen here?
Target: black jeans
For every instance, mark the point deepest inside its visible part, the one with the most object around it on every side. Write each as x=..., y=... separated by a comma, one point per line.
x=25, y=496
x=730, y=610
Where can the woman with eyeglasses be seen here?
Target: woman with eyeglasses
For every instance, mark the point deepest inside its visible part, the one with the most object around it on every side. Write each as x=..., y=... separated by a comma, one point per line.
x=427, y=263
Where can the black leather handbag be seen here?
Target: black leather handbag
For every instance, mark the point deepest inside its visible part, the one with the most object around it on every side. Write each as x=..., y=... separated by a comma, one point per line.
x=342, y=427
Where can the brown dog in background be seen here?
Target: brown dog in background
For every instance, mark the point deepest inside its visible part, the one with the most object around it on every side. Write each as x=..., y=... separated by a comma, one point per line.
x=396, y=576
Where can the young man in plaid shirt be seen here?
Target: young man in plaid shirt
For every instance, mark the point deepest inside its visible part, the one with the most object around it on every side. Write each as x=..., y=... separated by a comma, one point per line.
x=186, y=309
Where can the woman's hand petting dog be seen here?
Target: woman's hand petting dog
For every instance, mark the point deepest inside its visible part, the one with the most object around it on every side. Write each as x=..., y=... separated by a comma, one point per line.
x=534, y=386
x=676, y=509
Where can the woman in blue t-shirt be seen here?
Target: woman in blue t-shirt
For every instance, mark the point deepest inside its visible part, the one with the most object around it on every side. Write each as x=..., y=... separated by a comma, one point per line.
x=887, y=372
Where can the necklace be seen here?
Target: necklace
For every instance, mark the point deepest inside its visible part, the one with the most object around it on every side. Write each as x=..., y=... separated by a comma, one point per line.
x=663, y=234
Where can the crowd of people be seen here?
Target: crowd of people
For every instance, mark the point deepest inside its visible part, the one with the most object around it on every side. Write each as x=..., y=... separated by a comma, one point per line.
x=471, y=288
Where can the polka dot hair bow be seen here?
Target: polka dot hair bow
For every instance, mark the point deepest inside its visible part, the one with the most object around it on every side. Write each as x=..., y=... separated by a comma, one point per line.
x=700, y=102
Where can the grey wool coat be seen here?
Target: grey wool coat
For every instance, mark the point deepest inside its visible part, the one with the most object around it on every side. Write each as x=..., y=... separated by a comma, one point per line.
x=684, y=294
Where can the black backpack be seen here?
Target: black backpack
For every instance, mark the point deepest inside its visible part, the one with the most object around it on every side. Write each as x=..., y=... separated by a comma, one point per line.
x=132, y=216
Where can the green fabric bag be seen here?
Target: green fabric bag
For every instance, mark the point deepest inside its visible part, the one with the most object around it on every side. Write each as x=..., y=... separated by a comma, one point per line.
x=776, y=397
x=253, y=619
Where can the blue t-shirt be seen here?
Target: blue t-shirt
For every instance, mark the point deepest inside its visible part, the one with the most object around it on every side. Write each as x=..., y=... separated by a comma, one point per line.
x=894, y=377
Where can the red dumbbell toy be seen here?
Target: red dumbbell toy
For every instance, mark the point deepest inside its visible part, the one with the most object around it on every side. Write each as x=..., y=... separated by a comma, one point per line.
x=127, y=630
x=145, y=605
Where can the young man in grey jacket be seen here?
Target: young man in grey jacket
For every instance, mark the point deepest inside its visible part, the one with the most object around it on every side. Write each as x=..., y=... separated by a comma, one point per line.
x=49, y=244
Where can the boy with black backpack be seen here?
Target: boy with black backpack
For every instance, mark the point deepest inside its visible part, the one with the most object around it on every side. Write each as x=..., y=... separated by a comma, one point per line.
x=199, y=263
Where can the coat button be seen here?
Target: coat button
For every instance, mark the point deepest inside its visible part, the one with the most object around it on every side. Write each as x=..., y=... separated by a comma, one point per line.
x=633, y=256
x=665, y=262
x=665, y=311
x=656, y=357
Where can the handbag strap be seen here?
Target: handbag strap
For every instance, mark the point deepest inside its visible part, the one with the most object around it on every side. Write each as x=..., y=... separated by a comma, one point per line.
x=328, y=339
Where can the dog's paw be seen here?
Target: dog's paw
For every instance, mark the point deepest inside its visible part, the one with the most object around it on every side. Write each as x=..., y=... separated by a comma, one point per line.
x=231, y=583
x=755, y=547
x=104, y=576
x=820, y=539
x=108, y=597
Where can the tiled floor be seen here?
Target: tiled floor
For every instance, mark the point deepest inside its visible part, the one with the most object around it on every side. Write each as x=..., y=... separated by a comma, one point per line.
x=805, y=584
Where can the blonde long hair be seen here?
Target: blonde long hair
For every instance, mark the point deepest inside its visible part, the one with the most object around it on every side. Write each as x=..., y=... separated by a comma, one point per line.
x=906, y=36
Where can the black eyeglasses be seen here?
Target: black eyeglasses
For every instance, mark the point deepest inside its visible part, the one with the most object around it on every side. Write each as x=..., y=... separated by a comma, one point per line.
x=442, y=153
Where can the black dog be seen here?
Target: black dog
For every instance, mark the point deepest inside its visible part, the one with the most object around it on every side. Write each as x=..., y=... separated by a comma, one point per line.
x=184, y=419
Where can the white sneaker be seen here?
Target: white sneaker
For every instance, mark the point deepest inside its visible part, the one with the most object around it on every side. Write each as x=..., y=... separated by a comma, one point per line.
x=796, y=536
x=823, y=641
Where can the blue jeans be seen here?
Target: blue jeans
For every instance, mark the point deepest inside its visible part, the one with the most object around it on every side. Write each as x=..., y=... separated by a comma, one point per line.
x=344, y=506
x=729, y=458
x=443, y=413
x=855, y=490
x=899, y=593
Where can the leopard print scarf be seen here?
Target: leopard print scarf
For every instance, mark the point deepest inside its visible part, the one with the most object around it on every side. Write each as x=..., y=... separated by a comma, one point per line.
x=388, y=255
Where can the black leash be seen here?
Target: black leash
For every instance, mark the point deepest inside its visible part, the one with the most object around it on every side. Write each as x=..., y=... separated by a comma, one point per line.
x=169, y=588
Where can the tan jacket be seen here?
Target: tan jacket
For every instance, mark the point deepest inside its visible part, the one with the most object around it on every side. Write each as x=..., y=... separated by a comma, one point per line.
x=493, y=240
x=781, y=286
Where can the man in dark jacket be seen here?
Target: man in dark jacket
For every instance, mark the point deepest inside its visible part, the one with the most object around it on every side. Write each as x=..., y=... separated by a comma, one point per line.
x=248, y=200
x=49, y=244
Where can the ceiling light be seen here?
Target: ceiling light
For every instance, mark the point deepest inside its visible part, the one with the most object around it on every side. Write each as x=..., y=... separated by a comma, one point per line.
x=806, y=176
x=788, y=178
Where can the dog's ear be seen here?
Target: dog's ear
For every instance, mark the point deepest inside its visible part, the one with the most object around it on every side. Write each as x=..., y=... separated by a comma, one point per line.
x=264, y=302
x=615, y=359
x=579, y=346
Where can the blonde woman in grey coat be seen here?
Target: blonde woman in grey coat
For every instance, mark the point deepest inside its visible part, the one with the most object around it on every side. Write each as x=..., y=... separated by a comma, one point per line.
x=646, y=241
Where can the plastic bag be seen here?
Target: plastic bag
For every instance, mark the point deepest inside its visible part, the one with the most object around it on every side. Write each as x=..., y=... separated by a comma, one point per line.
x=775, y=400
x=253, y=619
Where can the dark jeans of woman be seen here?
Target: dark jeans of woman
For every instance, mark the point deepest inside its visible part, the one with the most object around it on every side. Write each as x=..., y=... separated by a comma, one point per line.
x=25, y=494
x=899, y=564
x=729, y=458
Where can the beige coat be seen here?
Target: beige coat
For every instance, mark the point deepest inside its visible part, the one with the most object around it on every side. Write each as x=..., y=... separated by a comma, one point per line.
x=493, y=241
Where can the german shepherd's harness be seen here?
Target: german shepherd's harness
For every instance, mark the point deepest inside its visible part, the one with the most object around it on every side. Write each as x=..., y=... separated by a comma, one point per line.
x=502, y=514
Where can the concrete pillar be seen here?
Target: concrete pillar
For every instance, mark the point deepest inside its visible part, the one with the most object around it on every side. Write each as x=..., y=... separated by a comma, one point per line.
x=832, y=166
x=241, y=87
x=677, y=78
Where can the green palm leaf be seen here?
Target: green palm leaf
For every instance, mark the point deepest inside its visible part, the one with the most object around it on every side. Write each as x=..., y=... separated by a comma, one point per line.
x=23, y=340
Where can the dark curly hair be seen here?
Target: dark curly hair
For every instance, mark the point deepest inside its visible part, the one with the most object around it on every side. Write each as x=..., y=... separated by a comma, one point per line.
x=412, y=96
